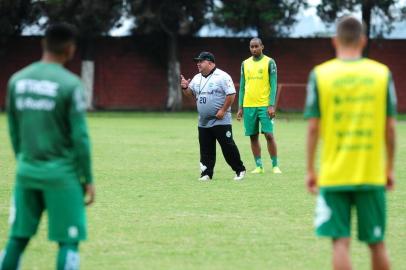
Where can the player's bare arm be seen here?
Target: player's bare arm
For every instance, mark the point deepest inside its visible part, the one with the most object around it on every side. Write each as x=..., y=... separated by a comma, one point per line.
x=239, y=114
x=312, y=139
x=241, y=94
x=184, y=84
x=390, y=138
x=271, y=111
x=227, y=103
x=90, y=194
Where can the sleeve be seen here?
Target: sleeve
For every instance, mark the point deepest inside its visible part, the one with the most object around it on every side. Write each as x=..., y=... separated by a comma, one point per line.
x=273, y=82
x=242, y=87
x=79, y=134
x=391, y=100
x=312, y=107
x=12, y=119
x=228, y=85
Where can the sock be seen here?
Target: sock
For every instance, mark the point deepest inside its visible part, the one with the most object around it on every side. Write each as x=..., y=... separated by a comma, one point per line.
x=10, y=257
x=274, y=161
x=68, y=256
x=258, y=161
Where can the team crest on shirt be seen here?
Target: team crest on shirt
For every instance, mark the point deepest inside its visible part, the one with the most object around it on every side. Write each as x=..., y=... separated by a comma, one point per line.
x=260, y=71
x=228, y=134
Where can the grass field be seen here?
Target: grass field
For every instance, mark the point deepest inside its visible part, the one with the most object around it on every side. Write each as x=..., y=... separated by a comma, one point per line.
x=152, y=213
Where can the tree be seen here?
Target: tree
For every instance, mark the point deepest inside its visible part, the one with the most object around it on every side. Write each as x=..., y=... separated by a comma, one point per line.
x=14, y=15
x=92, y=18
x=164, y=21
x=385, y=12
x=269, y=17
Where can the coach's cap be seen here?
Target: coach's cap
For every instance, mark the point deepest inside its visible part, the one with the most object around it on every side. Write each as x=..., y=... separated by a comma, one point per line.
x=205, y=56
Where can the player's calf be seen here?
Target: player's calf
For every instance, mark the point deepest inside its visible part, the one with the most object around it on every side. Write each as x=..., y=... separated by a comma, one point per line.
x=68, y=256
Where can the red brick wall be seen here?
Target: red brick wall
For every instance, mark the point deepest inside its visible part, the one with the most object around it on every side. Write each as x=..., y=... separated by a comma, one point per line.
x=128, y=76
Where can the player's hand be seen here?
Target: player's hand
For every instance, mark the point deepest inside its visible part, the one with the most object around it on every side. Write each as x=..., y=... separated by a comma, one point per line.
x=311, y=182
x=183, y=82
x=271, y=112
x=220, y=114
x=90, y=194
x=390, y=181
x=239, y=114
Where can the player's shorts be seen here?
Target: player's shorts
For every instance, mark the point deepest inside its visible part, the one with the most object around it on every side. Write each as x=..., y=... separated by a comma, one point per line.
x=333, y=214
x=255, y=115
x=65, y=208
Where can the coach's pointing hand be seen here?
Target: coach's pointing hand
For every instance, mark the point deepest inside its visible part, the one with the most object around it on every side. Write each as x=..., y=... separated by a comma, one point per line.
x=183, y=82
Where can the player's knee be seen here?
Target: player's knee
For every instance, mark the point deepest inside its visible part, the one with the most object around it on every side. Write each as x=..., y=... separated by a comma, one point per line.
x=254, y=138
x=377, y=247
x=269, y=137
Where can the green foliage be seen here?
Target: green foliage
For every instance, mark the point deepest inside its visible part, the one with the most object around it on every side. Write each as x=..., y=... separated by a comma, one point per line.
x=152, y=213
x=269, y=18
x=92, y=17
x=181, y=17
x=379, y=15
x=14, y=14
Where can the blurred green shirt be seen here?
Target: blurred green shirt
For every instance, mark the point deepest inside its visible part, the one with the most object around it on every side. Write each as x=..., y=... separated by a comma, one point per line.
x=47, y=126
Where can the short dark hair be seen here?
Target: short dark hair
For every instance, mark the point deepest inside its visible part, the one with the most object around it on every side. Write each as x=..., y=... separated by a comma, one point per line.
x=349, y=30
x=257, y=39
x=58, y=36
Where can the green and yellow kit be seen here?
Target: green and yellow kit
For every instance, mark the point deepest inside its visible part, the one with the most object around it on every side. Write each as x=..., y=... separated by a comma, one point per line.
x=353, y=99
x=258, y=88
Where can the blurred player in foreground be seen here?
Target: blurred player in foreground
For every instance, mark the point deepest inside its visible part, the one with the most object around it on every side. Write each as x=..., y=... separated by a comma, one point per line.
x=351, y=105
x=46, y=116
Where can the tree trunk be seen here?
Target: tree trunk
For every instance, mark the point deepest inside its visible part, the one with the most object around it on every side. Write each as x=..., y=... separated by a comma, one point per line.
x=87, y=74
x=87, y=70
x=174, y=101
x=366, y=17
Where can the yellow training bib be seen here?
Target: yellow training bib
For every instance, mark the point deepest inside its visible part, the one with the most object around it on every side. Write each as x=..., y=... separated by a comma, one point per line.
x=257, y=85
x=352, y=98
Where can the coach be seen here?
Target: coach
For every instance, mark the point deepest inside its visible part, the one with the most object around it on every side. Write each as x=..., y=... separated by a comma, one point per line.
x=214, y=92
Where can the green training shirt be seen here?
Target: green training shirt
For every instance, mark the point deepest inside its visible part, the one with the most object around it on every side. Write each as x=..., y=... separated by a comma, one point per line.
x=47, y=126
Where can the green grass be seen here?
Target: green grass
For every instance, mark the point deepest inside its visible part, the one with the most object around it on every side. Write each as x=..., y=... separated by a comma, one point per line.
x=152, y=213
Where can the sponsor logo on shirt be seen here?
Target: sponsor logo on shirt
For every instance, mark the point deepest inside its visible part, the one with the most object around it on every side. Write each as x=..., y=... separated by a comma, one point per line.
x=34, y=104
x=43, y=88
